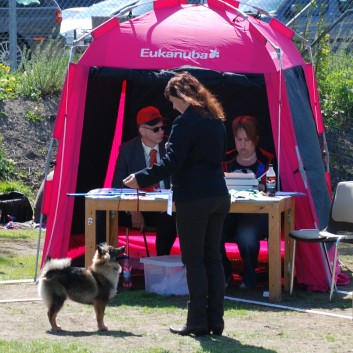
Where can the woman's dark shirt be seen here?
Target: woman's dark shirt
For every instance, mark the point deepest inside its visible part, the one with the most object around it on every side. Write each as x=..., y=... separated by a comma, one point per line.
x=194, y=158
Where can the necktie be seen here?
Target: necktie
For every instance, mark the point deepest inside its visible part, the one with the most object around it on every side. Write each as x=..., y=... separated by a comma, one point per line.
x=153, y=160
x=153, y=157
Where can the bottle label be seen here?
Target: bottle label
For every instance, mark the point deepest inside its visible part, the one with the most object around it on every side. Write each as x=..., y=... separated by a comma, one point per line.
x=127, y=280
x=271, y=185
x=127, y=274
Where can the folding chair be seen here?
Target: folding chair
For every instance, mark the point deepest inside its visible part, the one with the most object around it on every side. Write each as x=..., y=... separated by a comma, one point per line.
x=339, y=229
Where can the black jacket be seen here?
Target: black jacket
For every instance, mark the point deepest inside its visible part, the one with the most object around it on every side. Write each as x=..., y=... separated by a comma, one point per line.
x=195, y=152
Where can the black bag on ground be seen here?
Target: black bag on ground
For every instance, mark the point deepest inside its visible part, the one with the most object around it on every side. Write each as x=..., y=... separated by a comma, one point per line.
x=17, y=205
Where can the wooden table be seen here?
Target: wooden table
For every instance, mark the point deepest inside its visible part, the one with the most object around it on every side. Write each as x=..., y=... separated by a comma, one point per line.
x=280, y=210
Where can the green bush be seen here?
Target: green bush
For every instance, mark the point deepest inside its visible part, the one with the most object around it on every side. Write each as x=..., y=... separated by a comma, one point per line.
x=8, y=172
x=335, y=82
x=44, y=72
x=8, y=83
x=7, y=166
x=8, y=186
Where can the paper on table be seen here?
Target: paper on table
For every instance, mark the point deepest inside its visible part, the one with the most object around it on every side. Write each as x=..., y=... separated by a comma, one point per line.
x=237, y=175
x=244, y=195
x=290, y=193
x=111, y=191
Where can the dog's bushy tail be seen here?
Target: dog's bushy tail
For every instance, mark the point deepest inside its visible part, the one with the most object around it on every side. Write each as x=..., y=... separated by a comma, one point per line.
x=54, y=264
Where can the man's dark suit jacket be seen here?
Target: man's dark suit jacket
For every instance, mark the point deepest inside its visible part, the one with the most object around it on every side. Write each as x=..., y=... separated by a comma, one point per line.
x=132, y=159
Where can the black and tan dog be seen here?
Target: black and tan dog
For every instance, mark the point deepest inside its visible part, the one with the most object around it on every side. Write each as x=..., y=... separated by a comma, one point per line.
x=94, y=285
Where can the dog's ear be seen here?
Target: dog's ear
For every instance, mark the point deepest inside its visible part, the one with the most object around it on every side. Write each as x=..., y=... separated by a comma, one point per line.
x=102, y=248
x=121, y=249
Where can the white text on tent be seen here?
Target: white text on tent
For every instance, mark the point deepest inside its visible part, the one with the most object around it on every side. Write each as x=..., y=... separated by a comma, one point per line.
x=167, y=54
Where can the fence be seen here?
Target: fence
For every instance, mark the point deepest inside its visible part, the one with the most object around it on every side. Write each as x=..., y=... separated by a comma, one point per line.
x=24, y=23
x=27, y=22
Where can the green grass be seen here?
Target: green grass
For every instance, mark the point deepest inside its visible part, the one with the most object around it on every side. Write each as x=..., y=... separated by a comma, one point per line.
x=14, y=265
x=19, y=268
x=42, y=346
x=19, y=234
x=46, y=346
x=131, y=312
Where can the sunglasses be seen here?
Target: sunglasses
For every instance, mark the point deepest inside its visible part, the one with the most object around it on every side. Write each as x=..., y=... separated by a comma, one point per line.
x=155, y=129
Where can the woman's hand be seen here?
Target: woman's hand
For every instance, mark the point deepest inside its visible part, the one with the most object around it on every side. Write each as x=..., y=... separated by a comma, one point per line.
x=131, y=182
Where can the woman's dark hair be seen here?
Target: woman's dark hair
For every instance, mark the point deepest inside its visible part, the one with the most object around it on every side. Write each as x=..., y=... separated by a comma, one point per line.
x=191, y=90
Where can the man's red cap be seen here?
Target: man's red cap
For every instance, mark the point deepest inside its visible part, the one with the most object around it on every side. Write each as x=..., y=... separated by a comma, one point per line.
x=149, y=115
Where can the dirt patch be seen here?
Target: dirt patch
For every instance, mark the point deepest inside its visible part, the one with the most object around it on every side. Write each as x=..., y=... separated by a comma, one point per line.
x=136, y=325
x=26, y=128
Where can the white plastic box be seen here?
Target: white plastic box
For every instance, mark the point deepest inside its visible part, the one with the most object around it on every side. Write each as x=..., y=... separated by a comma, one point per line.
x=165, y=275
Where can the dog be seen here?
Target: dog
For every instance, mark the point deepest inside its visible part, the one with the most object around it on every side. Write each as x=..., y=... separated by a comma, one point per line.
x=95, y=285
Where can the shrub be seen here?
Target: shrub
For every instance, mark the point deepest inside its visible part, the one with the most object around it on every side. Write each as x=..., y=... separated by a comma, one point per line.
x=7, y=166
x=8, y=83
x=335, y=81
x=44, y=72
x=8, y=186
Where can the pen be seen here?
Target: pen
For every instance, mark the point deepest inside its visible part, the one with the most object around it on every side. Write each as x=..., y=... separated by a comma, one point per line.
x=260, y=177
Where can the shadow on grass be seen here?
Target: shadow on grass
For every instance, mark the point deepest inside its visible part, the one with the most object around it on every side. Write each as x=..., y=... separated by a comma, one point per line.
x=111, y=333
x=229, y=345
x=209, y=343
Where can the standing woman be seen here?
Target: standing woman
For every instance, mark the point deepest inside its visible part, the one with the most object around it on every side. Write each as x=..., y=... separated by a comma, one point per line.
x=195, y=152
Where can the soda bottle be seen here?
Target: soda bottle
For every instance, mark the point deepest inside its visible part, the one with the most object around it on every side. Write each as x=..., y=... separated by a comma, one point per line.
x=271, y=181
x=127, y=268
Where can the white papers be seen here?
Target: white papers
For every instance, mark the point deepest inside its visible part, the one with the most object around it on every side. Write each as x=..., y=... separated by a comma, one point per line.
x=290, y=193
x=128, y=194
x=241, y=181
x=246, y=195
x=236, y=175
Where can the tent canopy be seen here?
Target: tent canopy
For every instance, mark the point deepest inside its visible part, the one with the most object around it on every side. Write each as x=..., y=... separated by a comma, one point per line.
x=253, y=67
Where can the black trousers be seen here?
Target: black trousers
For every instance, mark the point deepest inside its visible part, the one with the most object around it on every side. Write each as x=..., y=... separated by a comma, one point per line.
x=199, y=224
x=246, y=230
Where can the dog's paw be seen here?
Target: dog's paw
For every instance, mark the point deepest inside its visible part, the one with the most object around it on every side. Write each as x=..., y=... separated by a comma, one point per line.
x=103, y=328
x=56, y=329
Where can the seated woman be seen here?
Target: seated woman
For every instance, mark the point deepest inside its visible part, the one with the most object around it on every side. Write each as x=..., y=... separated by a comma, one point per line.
x=245, y=229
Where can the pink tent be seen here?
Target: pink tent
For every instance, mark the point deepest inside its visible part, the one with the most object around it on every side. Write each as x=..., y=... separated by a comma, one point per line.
x=252, y=66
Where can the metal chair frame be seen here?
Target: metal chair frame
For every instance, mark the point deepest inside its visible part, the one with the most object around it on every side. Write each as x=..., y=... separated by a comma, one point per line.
x=339, y=230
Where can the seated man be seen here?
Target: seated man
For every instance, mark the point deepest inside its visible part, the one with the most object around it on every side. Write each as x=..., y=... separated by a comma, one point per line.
x=134, y=155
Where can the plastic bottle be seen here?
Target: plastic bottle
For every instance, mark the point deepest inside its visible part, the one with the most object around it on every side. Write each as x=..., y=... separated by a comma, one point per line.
x=127, y=268
x=271, y=181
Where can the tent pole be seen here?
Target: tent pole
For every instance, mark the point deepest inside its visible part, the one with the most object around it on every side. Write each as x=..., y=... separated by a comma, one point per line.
x=279, y=56
x=41, y=214
x=46, y=170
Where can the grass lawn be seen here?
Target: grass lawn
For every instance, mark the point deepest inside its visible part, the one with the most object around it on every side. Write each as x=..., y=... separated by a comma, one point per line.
x=138, y=321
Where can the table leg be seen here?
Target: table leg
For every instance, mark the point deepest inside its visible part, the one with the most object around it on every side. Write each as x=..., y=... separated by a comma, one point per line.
x=289, y=217
x=90, y=233
x=112, y=230
x=274, y=256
